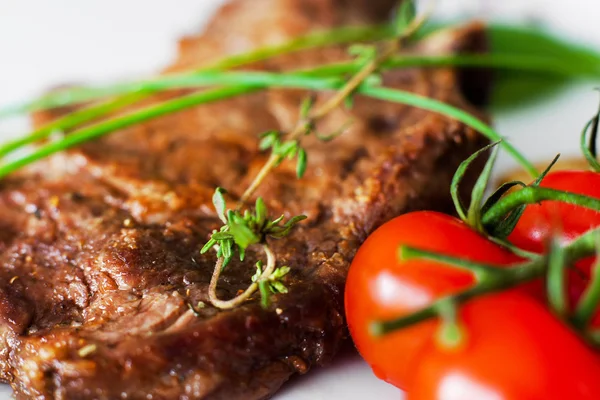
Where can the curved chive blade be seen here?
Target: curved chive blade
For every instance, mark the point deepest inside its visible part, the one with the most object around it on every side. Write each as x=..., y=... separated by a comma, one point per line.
x=405, y=14
x=273, y=80
x=320, y=39
x=504, y=227
x=588, y=146
x=437, y=106
x=474, y=213
x=515, y=88
x=457, y=178
x=69, y=121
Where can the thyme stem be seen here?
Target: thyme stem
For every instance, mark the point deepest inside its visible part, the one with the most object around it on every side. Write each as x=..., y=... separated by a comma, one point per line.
x=239, y=299
x=588, y=304
x=338, y=98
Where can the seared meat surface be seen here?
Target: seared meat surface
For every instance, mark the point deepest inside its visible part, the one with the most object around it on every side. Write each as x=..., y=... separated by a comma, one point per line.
x=99, y=247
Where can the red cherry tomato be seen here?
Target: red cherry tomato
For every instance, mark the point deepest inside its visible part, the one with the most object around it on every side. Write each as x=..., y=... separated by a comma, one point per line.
x=514, y=349
x=540, y=221
x=379, y=286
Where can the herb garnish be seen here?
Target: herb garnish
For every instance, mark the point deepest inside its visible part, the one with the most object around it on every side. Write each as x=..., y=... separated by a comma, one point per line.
x=242, y=229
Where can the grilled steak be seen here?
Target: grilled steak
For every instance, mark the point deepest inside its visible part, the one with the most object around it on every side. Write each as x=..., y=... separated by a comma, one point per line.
x=99, y=247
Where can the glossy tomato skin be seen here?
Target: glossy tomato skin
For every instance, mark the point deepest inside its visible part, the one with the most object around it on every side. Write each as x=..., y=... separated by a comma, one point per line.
x=514, y=349
x=539, y=221
x=379, y=286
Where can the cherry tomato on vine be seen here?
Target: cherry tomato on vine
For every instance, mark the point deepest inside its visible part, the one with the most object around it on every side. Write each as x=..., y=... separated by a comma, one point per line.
x=540, y=221
x=380, y=286
x=513, y=349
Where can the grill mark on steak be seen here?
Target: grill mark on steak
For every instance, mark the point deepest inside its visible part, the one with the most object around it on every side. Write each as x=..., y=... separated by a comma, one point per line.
x=105, y=239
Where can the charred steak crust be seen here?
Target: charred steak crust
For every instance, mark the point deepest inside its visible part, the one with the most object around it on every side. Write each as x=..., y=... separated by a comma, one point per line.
x=99, y=247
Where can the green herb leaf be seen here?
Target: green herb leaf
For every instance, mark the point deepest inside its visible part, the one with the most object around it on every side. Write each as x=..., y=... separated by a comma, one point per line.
x=221, y=236
x=457, y=178
x=242, y=234
x=301, y=163
x=280, y=273
x=261, y=212
x=219, y=203
x=474, y=212
x=588, y=147
x=265, y=293
x=268, y=140
x=278, y=287
x=306, y=106
x=282, y=231
x=514, y=88
x=364, y=53
x=211, y=242
x=405, y=15
x=288, y=149
x=258, y=272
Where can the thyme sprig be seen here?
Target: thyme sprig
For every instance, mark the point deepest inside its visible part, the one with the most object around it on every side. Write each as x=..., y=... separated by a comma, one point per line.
x=242, y=231
x=404, y=25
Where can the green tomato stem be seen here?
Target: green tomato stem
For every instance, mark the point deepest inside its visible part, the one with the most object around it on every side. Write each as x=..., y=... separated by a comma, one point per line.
x=481, y=271
x=588, y=304
x=532, y=195
x=583, y=246
x=555, y=279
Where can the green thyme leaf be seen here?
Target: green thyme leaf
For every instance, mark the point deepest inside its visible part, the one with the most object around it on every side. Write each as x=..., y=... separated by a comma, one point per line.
x=278, y=287
x=265, y=293
x=280, y=273
x=363, y=53
x=243, y=235
x=282, y=231
x=219, y=203
x=301, y=163
x=268, y=139
x=306, y=106
x=405, y=15
x=287, y=149
x=261, y=211
x=373, y=80
x=258, y=272
x=474, y=212
x=211, y=242
x=221, y=236
x=457, y=178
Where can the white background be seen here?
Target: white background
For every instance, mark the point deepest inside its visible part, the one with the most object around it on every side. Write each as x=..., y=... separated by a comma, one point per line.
x=44, y=42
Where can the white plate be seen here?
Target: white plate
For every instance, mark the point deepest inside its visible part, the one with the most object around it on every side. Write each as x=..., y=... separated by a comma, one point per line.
x=43, y=43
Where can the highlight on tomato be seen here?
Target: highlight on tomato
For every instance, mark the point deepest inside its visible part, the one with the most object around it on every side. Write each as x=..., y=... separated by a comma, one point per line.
x=513, y=349
x=380, y=286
